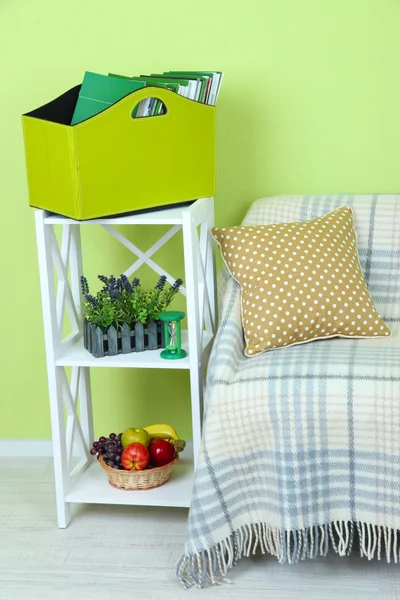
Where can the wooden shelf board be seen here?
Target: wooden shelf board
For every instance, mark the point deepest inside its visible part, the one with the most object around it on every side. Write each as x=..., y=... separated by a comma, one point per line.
x=75, y=355
x=92, y=487
x=166, y=216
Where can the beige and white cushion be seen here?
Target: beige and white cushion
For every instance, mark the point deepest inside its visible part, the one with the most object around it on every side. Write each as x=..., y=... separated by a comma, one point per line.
x=300, y=281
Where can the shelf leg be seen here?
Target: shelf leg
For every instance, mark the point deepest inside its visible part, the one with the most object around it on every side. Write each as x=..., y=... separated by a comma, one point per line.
x=85, y=394
x=60, y=458
x=61, y=466
x=195, y=306
x=210, y=268
x=85, y=397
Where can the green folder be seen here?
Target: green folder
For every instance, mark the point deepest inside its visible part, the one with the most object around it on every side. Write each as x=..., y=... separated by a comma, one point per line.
x=204, y=77
x=168, y=79
x=203, y=81
x=171, y=83
x=216, y=77
x=98, y=92
x=157, y=107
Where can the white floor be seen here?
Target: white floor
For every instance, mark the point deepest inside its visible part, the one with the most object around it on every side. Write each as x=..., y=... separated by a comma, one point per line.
x=126, y=553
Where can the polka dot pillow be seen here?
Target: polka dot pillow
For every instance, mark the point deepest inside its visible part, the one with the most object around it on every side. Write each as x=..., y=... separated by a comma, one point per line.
x=300, y=282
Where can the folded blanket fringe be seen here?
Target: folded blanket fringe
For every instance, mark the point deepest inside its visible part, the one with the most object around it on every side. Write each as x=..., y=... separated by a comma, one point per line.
x=211, y=566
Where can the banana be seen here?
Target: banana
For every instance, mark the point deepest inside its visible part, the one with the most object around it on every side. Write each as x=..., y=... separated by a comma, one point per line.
x=166, y=432
x=163, y=431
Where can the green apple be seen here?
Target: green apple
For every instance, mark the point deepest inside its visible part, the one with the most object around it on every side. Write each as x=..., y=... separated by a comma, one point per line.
x=135, y=434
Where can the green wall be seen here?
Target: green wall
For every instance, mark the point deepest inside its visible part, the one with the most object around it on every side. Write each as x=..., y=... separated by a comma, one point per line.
x=310, y=104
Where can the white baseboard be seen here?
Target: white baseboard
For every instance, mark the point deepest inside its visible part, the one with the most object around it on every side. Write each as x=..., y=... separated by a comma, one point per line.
x=14, y=448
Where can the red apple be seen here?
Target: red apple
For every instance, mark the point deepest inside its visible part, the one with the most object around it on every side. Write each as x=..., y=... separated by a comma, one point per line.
x=161, y=452
x=135, y=457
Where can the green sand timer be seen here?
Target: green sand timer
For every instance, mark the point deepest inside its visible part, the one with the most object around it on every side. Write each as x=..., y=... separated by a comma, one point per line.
x=172, y=333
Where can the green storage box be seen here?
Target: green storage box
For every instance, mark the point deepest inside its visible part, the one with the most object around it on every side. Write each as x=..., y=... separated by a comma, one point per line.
x=114, y=163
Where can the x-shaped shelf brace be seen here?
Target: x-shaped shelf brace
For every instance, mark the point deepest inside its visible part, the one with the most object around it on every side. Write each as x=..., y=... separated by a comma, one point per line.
x=65, y=299
x=144, y=257
x=70, y=393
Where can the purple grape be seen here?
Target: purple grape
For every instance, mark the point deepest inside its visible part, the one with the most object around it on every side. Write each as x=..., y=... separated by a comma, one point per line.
x=95, y=445
x=111, y=463
x=93, y=451
x=102, y=439
x=112, y=436
x=101, y=451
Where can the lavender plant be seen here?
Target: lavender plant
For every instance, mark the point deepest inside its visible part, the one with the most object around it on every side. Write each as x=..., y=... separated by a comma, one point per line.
x=122, y=301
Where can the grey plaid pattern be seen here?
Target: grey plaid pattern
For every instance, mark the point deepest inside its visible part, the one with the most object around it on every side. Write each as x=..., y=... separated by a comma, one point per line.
x=301, y=445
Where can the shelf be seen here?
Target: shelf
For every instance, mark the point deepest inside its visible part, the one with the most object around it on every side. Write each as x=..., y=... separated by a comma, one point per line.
x=166, y=216
x=92, y=487
x=75, y=355
x=60, y=266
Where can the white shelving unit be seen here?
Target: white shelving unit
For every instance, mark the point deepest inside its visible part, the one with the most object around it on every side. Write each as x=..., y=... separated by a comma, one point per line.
x=78, y=477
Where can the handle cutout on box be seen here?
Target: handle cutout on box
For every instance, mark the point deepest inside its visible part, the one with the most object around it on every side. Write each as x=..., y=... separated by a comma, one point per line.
x=150, y=107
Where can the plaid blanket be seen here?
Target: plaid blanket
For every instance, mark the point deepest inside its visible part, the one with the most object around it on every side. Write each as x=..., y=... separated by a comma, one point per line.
x=301, y=446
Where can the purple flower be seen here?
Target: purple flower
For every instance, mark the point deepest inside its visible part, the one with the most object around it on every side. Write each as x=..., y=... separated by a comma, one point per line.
x=114, y=293
x=84, y=285
x=103, y=279
x=161, y=283
x=127, y=286
x=93, y=301
x=177, y=284
x=135, y=282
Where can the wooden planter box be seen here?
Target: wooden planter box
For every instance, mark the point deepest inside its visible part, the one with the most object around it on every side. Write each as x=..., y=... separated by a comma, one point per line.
x=124, y=340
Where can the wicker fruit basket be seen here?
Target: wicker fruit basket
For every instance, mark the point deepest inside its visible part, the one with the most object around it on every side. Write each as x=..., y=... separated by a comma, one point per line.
x=139, y=480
